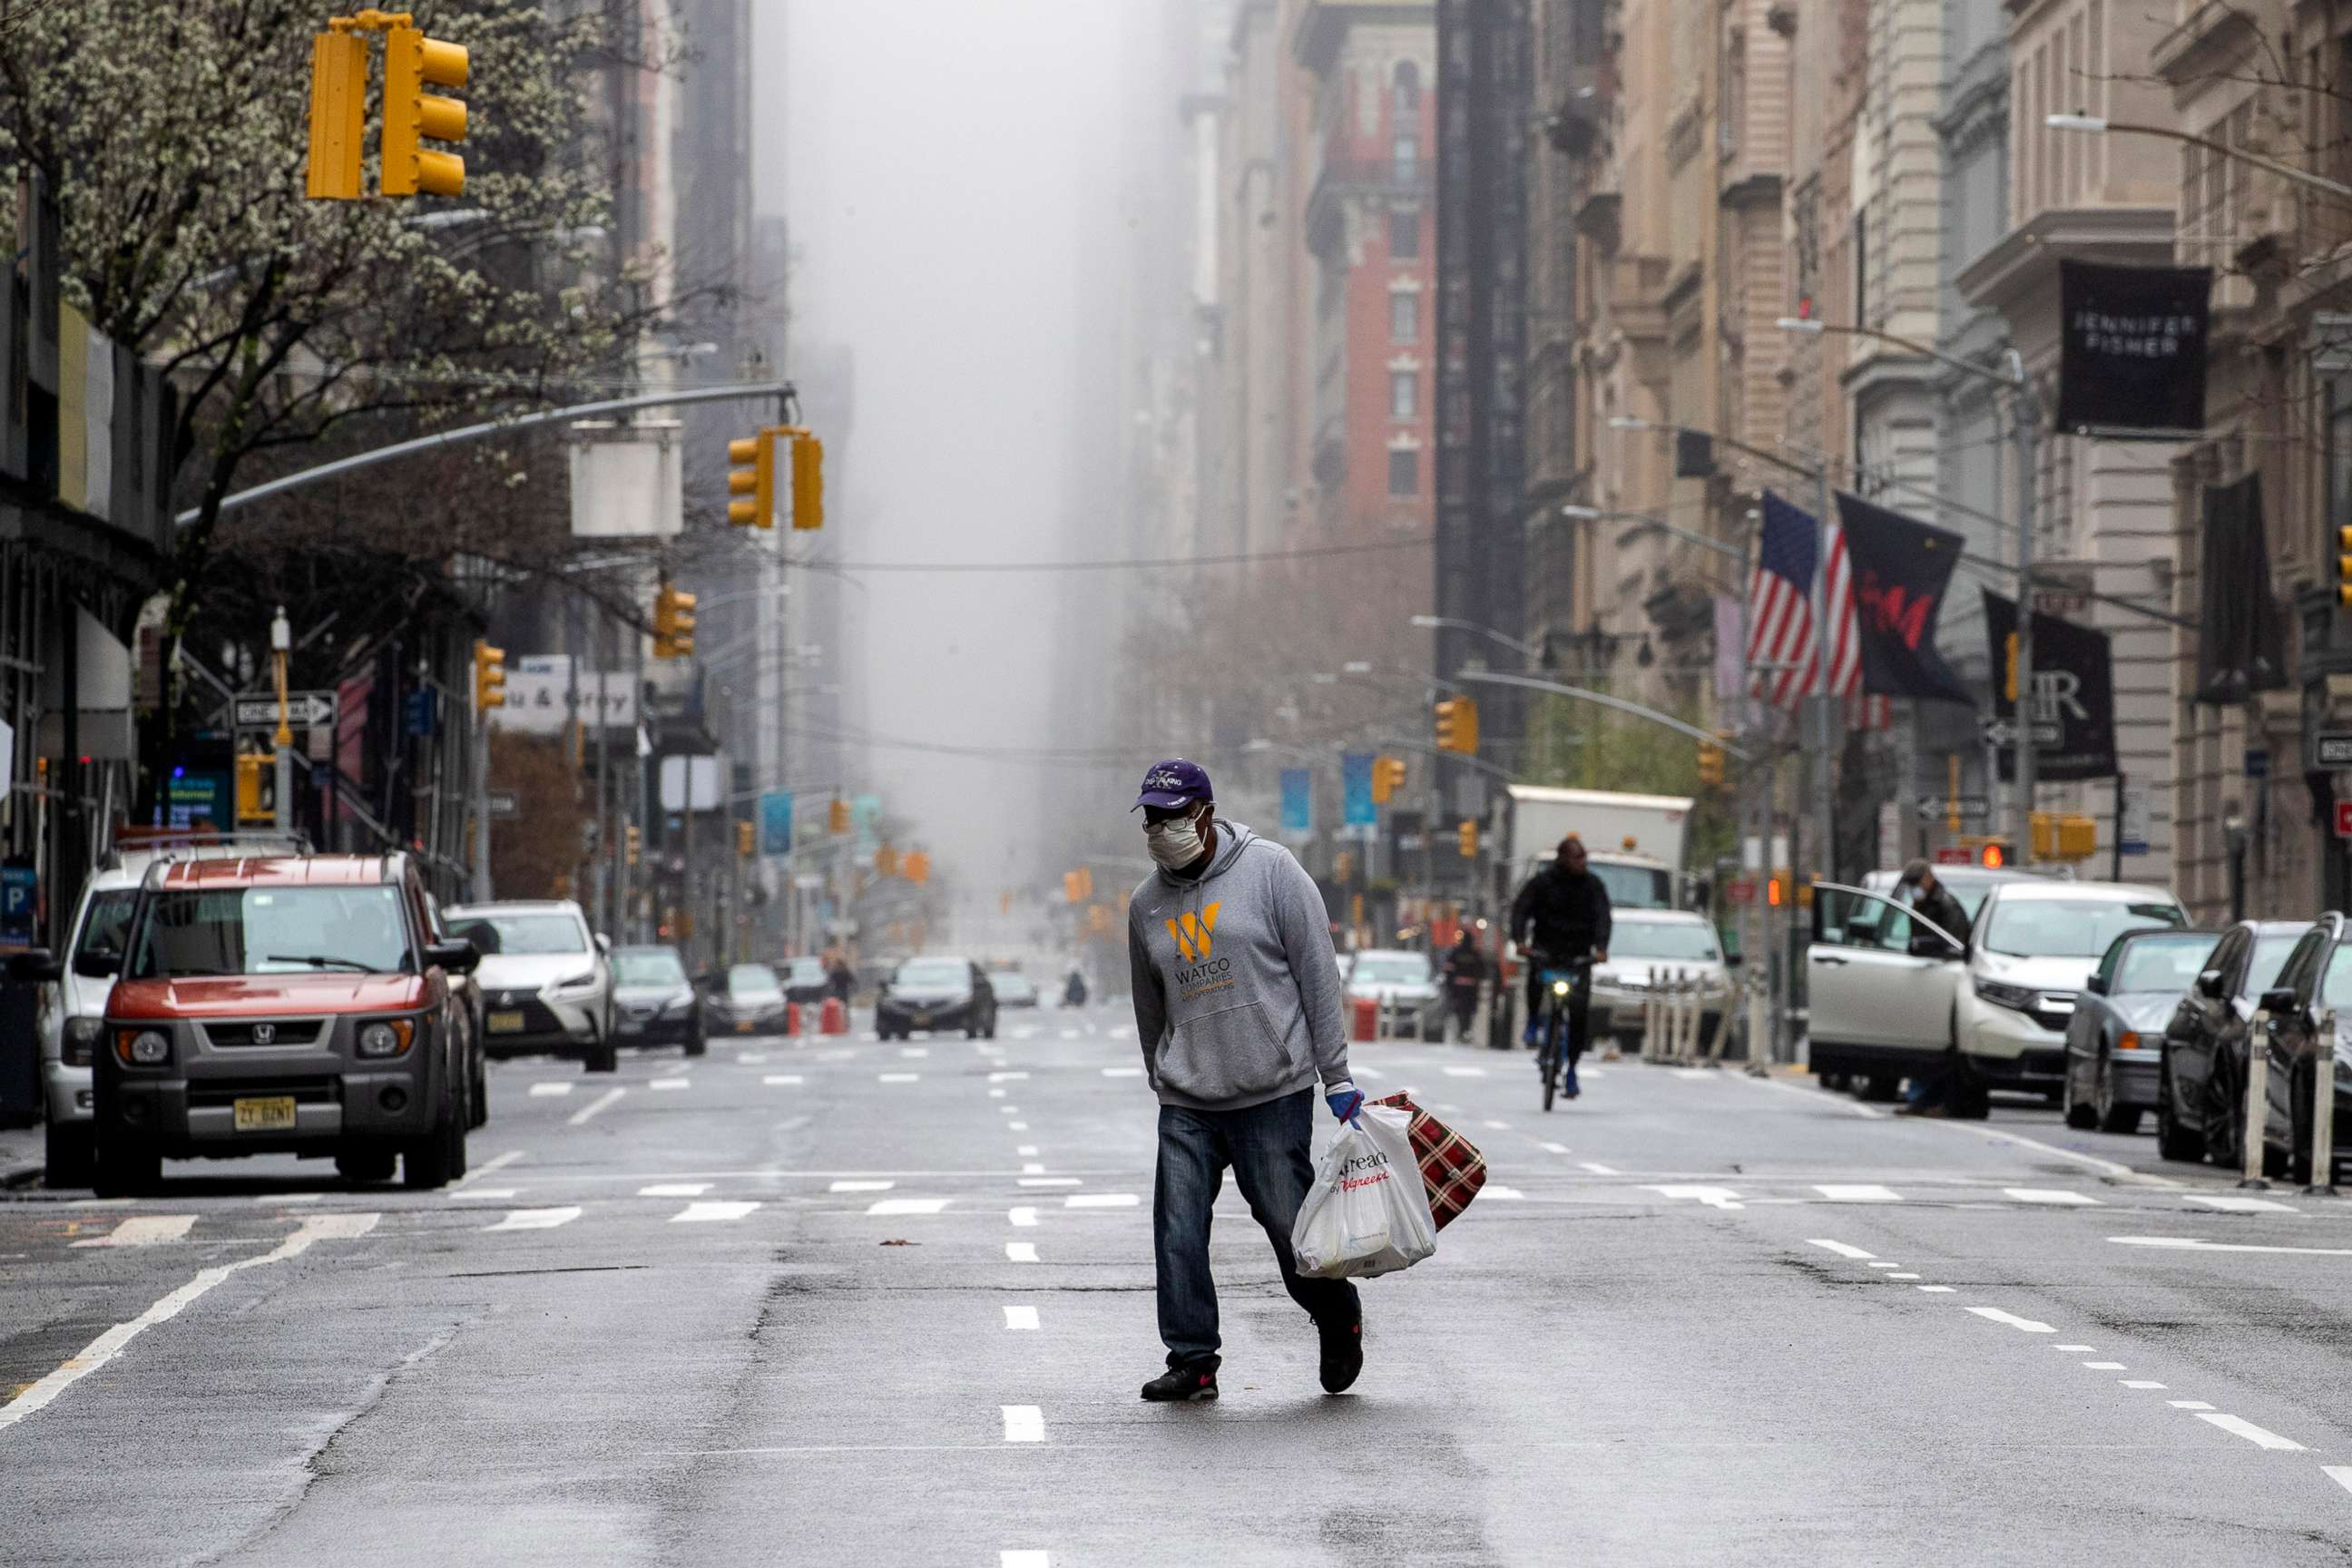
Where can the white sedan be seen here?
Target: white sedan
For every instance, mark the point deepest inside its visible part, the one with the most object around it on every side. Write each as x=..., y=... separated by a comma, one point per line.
x=1650, y=949
x=1402, y=983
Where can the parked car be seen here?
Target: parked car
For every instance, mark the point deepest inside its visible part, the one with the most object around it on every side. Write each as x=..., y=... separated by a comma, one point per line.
x=1013, y=989
x=1891, y=994
x=1402, y=983
x=2115, y=1042
x=1649, y=948
x=655, y=1003
x=2308, y=1010
x=469, y=995
x=280, y=1002
x=806, y=981
x=546, y=984
x=747, y=1000
x=2201, y=1070
x=937, y=994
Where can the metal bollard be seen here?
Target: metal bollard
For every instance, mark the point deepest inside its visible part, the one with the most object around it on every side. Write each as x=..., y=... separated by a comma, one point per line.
x=1652, y=1022
x=1690, y=1021
x=1722, y=1029
x=2323, y=1111
x=2258, y=1097
x=1759, y=1031
x=1680, y=1004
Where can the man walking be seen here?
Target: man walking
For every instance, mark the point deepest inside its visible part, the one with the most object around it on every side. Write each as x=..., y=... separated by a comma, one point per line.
x=1237, y=1010
x=1465, y=971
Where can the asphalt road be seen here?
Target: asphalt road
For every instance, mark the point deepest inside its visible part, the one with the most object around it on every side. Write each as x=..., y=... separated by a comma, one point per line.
x=844, y=1301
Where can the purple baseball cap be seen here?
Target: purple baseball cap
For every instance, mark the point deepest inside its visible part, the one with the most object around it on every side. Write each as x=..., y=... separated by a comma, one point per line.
x=1174, y=782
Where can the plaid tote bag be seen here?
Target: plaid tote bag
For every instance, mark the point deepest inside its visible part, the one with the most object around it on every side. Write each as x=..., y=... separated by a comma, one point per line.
x=1451, y=1169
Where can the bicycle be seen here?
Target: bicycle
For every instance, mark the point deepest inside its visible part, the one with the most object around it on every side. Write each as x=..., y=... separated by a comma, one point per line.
x=1559, y=982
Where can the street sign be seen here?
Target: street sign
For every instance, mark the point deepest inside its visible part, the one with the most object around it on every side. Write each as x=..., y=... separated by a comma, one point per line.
x=2332, y=750
x=1932, y=807
x=504, y=803
x=2344, y=819
x=1954, y=855
x=1997, y=731
x=1741, y=892
x=20, y=890
x=304, y=710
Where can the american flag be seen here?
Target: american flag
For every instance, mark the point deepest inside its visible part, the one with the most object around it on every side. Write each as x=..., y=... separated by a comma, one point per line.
x=1780, y=618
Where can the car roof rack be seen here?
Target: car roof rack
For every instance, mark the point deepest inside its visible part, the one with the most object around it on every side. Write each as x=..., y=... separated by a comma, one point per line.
x=189, y=844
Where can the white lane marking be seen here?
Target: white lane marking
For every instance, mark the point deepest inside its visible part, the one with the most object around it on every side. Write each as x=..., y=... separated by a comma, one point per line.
x=671, y=1083
x=1553, y=1148
x=1025, y=1149
x=1022, y=1317
x=1069, y=1034
x=1817, y=1099
x=1701, y=1074
x=1009, y=1559
x=1903, y=1276
x=536, y=1219
x=288, y=1197
x=1937, y=1290
x=1842, y=1249
x=1032, y=1169
x=1025, y=1422
x=716, y=1210
x=496, y=1162
x=1361, y=1072
x=869, y=1037
x=914, y=1050
x=2230, y=1203
x=1713, y=1198
x=1066, y=1181
x=1017, y=1126
x=2105, y=1366
x=2191, y=1244
x=2188, y=1405
x=2075, y=1350
x=1006, y=1077
x=1494, y=1190
x=1105, y=1201
x=1122, y=1072
x=1023, y=1217
x=1007, y=1109
x=1857, y=1193
x=2137, y=1383
x=1880, y=1263
x=107, y=1346
x=1463, y=1072
x=1497, y=1126
x=899, y=1077
x=2089, y=1162
x=858, y=1186
x=579, y=1117
x=1994, y=1314
x=674, y=1190
x=1026, y=1032
x=2262, y=1437
x=1020, y=1251
x=781, y=1079
x=2341, y=1474
x=144, y=1231
x=2050, y=1195
x=996, y=1094
x=479, y=1195
x=1598, y=1169
x=752, y=1058
x=561, y=1086
x=1122, y=1031
x=909, y=1205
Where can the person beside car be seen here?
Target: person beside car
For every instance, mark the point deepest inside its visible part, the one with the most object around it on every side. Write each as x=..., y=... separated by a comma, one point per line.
x=1930, y=1093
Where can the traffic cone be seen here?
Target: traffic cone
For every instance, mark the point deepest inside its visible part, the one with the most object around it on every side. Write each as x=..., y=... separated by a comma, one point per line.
x=792, y=1018
x=1366, y=1019
x=836, y=1017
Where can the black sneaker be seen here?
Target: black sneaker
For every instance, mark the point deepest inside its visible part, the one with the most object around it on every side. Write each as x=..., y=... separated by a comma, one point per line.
x=1343, y=1349
x=1182, y=1385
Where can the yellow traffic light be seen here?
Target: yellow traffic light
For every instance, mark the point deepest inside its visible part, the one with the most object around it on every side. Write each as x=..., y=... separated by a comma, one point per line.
x=1457, y=726
x=673, y=623
x=2344, y=566
x=339, y=83
x=252, y=769
x=916, y=867
x=751, y=473
x=1086, y=881
x=1710, y=764
x=1343, y=867
x=1388, y=778
x=413, y=62
x=633, y=842
x=744, y=839
x=489, y=675
x=1467, y=837
x=1070, y=888
x=808, y=481
x=886, y=861
x=836, y=816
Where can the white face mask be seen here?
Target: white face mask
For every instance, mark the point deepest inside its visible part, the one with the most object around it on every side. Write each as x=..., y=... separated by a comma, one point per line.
x=1175, y=843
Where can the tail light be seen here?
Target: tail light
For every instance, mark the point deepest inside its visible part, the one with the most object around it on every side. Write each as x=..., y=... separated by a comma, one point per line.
x=2129, y=1041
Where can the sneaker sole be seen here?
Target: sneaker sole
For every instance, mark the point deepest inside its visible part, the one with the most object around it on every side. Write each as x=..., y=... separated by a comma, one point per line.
x=1199, y=1397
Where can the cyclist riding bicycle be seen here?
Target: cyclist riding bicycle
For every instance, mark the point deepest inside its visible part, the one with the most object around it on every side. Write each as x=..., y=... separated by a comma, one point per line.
x=1560, y=917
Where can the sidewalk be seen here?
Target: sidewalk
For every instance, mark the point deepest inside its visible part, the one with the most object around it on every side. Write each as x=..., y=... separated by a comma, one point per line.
x=20, y=1156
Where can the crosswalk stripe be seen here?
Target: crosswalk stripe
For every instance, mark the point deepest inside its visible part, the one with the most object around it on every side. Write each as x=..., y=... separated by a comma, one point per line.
x=554, y=1087
x=1006, y=1077
x=1463, y=1072
x=1022, y=1318
x=2056, y=1195
x=1023, y=1424
x=144, y=1231
x=781, y=1079
x=674, y=1190
x=900, y=1077
x=1021, y=1252
x=1857, y=1193
x=909, y=1205
x=1050, y=1182
x=1100, y=1201
x=536, y=1219
x=2230, y=1203
x=1021, y=1216
x=860, y=1186
x=714, y=1210
x=1122, y=1072
x=669, y=1083
x=1493, y=1190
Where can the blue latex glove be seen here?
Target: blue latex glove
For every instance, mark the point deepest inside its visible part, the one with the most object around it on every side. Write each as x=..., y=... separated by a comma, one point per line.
x=1345, y=1100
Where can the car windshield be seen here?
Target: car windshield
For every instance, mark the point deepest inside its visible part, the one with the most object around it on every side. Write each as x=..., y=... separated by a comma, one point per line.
x=521, y=934
x=659, y=967
x=2163, y=963
x=1635, y=886
x=2271, y=954
x=933, y=972
x=808, y=972
x=271, y=930
x=1010, y=987
x=2069, y=928
x=108, y=924
x=1661, y=939
x=752, y=980
x=1389, y=969
x=2336, y=986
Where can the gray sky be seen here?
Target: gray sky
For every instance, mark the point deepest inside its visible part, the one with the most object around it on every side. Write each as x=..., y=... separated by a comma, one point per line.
x=938, y=161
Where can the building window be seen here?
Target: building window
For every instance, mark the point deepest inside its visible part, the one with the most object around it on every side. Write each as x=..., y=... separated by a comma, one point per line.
x=1405, y=236
x=1404, y=317
x=1407, y=98
x=1404, y=395
x=1407, y=155
x=1405, y=472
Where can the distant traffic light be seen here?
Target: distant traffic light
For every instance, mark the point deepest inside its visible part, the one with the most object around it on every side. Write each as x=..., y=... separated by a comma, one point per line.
x=633, y=844
x=1993, y=854
x=1466, y=839
x=1388, y=778
x=489, y=675
x=1457, y=726
x=413, y=62
x=744, y=839
x=253, y=804
x=836, y=816
x=1710, y=764
x=886, y=861
x=338, y=84
x=808, y=481
x=916, y=867
x=751, y=479
x=1070, y=892
x=673, y=623
x=2344, y=566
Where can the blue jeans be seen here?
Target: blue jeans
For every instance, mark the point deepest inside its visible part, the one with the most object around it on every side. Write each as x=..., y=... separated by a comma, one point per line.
x=1268, y=1148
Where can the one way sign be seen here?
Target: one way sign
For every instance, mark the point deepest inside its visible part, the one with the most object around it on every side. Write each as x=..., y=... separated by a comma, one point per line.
x=304, y=710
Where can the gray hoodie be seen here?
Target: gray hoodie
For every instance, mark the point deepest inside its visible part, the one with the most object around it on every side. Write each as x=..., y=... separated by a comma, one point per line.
x=1236, y=989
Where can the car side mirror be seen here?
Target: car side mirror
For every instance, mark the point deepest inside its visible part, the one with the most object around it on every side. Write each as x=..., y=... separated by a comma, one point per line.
x=2279, y=1001
x=2209, y=984
x=34, y=966
x=2097, y=986
x=1734, y=959
x=603, y=943
x=457, y=957
x=98, y=963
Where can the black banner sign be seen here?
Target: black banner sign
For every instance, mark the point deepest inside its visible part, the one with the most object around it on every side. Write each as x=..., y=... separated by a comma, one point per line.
x=1900, y=569
x=2074, y=703
x=2241, y=635
x=2132, y=346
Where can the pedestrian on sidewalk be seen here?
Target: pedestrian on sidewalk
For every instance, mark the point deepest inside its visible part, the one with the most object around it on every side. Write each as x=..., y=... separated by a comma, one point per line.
x=1237, y=1011
x=1465, y=971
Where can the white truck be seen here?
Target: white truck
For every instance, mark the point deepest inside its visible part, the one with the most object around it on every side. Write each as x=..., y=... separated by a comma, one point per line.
x=1632, y=842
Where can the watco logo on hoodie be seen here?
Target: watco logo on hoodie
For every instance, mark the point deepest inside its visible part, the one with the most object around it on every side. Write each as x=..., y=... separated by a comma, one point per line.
x=1195, y=939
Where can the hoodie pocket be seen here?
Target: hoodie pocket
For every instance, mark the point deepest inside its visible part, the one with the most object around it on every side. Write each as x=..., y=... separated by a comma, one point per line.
x=1232, y=1054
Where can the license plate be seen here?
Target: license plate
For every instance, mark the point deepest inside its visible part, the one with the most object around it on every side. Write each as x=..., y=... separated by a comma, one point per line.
x=743, y=1026
x=506, y=1023
x=631, y=1027
x=273, y=1114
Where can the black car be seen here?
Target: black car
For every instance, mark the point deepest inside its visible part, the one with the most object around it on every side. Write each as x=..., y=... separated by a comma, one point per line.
x=2308, y=1010
x=938, y=994
x=2114, y=1041
x=749, y=999
x=2198, y=1114
x=807, y=982
x=653, y=1001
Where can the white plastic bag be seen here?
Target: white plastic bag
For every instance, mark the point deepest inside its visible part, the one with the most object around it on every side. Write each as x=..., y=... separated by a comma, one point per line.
x=1367, y=1212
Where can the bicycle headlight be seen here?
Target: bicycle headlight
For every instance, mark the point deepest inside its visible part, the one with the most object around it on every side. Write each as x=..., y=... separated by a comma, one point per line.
x=1559, y=987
